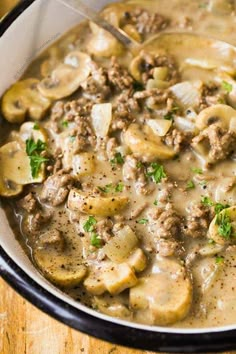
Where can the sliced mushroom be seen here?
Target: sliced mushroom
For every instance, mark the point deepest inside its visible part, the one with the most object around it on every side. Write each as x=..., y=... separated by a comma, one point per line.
x=218, y=114
x=223, y=227
x=95, y=204
x=23, y=99
x=119, y=248
x=67, y=77
x=101, y=116
x=84, y=164
x=165, y=296
x=103, y=44
x=145, y=145
x=55, y=261
x=113, y=278
x=112, y=307
x=15, y=170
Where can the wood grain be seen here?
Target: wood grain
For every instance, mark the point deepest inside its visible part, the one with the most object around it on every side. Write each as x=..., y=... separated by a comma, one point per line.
x=26, y=330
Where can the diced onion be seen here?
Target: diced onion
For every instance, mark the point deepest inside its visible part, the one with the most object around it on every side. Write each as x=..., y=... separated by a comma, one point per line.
x=159, y=126
x=101, y=119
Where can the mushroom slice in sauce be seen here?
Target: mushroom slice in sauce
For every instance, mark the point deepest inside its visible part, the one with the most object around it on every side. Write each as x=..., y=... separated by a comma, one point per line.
x=24, y=99
x=67, y=77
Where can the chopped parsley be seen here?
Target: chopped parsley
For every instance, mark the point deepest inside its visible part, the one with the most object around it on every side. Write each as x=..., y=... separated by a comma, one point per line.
x=206, y=201
x=118, y=159
x=119, y=187
x=190, y=185
x=65, y=123
x=143, y=221
x=219, y=260
x=36, y=126
x=140, y=164
x=218, y=207
x=225, y=227
x=155, y=202
x=89, y=224
x=196, y=170
x=227, y=86
x=109, y=188
x=138, y=86
x=33, y=150
x=95, y=240
x=156, y=172
x=170, y=115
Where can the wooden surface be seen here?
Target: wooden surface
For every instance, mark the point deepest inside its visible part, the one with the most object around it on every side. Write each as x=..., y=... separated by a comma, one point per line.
x=26, y=330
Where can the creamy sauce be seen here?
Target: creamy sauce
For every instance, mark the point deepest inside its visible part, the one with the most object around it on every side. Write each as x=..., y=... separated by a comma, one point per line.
x=203, y=268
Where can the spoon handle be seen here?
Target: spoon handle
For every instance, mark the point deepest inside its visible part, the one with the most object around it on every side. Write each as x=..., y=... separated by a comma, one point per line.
x=89, y=13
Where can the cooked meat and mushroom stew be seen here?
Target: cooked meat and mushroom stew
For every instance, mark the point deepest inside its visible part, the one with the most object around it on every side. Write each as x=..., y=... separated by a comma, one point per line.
x=117, y=171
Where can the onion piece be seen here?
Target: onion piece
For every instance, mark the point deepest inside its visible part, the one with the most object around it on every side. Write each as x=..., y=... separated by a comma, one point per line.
x=159, y=126
x=188, y=93
x=101, y=119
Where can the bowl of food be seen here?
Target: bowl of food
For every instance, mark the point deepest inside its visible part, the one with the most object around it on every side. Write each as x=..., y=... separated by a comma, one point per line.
x=117, y=170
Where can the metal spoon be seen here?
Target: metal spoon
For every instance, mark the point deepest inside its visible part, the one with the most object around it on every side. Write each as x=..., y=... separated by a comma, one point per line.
x=135, y=47
x=89, y=13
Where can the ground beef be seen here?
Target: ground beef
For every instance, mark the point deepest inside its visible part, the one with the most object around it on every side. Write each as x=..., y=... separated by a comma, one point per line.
x=145, y=22
x=177, y=139
x=125, y=109
x=165, y=225
x=119, y=77
x=52, y=238
x=148, y=62
x=104, y=229
x=210, y=96
x=96, y=87
x=221, y=143
x=111, y=147
x=198, y=220
x=132, y=171
x=28, y=203
x=56, y=188
x=36, y=222
x=152, y=98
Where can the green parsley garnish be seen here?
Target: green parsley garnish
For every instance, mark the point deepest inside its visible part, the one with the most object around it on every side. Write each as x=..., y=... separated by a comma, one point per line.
x=107, y=188
x=225, y=228
x=155, y=202
x=218, y=207
x=36, y=126
x=72, y=138
x=207, y=201
x=227, y=86
x=156, y=172
x=219, y=260
x=95, y=240
x=65, y=123
x=33, y=150
x=89, y=224
x=140, y=164
x=190, y=185
x=198, y=171
x=170, y=115
x=138, y=86
x=119, y=187
x=143, y=221
x=118, y=159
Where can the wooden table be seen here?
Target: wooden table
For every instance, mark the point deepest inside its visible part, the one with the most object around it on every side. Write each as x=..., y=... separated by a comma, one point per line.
x=26, y=330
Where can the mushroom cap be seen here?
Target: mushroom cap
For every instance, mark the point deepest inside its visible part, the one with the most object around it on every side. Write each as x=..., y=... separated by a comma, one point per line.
x=67, y=77
x=15, y=170
x=23, y=99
